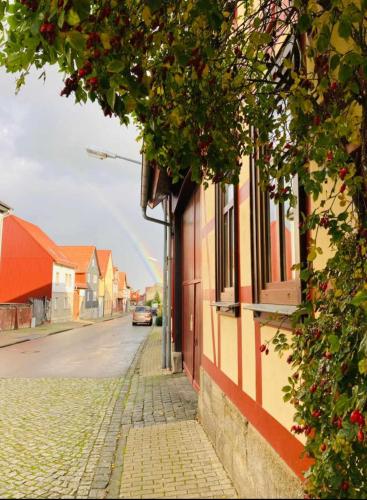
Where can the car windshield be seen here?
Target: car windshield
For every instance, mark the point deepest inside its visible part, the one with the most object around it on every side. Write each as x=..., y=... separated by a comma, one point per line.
x=141, y=309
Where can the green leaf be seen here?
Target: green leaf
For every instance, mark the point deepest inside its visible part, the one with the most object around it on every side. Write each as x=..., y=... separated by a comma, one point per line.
x=115, y=66
x=72, y=17
x=304, y=23
x=334, y=343
x=362, y=366
x=345, y=72
x=111, y=98
x=76, y=40
x=359, y=298
x=345, y=27
x=82, y=7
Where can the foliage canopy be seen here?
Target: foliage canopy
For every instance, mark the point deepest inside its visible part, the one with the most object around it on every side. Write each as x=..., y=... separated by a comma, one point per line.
x=210, y=81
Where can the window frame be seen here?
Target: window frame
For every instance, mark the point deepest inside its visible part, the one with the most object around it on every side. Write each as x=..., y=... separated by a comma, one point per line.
x=227, y=298
x=283, y=292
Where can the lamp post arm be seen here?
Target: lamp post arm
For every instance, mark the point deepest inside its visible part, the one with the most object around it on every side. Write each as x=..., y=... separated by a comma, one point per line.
x=126, y=159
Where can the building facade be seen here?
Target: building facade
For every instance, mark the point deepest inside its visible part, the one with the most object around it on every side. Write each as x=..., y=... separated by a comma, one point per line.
x=106, y=280
x=32, y=266
x=87, y=276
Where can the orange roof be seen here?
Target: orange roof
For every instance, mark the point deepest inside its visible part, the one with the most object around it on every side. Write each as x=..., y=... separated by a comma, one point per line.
x=122, y=279
x=54, y=251
x=80, y=255
x=103, y=256
x=81, y=280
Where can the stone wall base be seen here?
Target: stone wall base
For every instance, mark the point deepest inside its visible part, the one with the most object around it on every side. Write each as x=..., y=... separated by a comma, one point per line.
x=255, y=468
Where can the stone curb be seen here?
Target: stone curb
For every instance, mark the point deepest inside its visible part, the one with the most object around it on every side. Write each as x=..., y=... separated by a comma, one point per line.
x=58, y=331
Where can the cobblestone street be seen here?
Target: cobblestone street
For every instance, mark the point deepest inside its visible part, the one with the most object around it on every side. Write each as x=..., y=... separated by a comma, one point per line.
x=53, y=432
x=131, y=437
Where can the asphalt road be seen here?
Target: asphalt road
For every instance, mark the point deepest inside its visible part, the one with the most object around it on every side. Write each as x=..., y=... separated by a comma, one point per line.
x=104, y=349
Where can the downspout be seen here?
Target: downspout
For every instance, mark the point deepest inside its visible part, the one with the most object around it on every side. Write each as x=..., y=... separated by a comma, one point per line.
x=164, y=311
x=169, y=289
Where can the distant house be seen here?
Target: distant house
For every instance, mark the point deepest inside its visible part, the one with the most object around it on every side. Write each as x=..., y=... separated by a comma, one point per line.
x=87, y=275
x=152, y=291
x=123, y=300
x=32, y=266
x=105, y=282
x=115, y=289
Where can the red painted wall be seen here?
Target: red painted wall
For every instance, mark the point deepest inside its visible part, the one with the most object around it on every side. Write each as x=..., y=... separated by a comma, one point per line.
x=25, y=267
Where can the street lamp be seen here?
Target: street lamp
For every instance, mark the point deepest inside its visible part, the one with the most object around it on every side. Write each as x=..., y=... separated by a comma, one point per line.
x=103, y=155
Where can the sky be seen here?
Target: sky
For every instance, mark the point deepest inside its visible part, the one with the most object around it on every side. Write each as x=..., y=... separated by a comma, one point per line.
x=48, y=179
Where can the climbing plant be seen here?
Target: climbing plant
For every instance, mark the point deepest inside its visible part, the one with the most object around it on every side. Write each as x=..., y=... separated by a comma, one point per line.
x=211, y=81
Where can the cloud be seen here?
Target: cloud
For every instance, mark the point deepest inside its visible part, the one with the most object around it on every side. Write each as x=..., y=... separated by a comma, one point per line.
x=47, y=177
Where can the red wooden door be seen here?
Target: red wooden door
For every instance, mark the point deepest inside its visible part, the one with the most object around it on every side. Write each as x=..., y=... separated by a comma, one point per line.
x=191, y=289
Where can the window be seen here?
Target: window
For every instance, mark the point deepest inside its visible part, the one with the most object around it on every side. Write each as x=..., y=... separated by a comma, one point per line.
x=276, y=248
x=95, y=278
x=94, y=296
x=57, y=278
x=66, y=302
x=226, y=246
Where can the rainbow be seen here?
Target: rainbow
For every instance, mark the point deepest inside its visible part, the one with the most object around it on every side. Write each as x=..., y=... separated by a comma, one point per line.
x=153, y=268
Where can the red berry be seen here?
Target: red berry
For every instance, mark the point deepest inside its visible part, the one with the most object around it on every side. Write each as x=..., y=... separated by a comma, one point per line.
x=266, y=351
x=328, y=355
x=317, y=121
x=360, y=436
x=343, y=172
x=356, y=417
x=323, y=447
x=288, y=146
x=290, y=359
x=329, y=156
x=323, y=286
x=342, y=187
x=316, y=413
x=313, y=388
x=82, y=72
x=262, y=347
x=345, y=486
x=334, y=85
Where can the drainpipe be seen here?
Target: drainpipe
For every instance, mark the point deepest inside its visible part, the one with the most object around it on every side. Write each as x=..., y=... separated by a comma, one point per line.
x=164, y=311
x=169, y=290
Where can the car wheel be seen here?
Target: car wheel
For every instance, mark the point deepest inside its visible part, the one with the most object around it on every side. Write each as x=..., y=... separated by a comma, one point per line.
x=134, y=324
x=150, y=324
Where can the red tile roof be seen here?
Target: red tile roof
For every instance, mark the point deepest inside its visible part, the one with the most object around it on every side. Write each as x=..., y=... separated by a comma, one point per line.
x=81, y=255
x=55, y=252
x=103, y=257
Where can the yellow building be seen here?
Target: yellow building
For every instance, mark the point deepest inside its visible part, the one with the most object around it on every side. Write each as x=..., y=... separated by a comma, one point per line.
x=105, y=282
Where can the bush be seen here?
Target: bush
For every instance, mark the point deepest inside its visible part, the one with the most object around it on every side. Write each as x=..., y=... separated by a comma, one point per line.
x=158, y=321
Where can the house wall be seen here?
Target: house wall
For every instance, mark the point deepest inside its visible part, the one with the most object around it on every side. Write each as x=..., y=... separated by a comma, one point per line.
x=241, y=401
x=63, y=284
x=89, y=300
x=108, y=289
x=25, y=267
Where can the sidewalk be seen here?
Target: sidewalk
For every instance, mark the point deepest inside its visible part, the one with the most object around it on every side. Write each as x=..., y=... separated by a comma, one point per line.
x=163, y=452
x=11, y=337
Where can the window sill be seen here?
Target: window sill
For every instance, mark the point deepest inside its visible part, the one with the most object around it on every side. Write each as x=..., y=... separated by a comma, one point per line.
x=284, y=310
x=226, y=305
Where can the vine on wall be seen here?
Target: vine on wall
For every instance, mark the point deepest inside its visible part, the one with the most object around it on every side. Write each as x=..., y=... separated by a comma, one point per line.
x=194, y=74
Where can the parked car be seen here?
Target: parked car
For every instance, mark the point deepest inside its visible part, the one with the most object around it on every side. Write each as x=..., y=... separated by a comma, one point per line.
x=142, y=315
